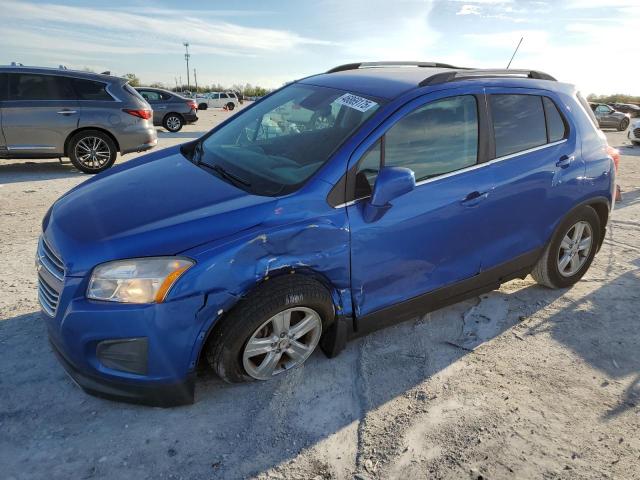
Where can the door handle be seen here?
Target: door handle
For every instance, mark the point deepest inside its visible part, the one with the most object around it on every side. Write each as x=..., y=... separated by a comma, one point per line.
x=66, y=112
x=565, y=161
x=474, y=198
x=162, y=107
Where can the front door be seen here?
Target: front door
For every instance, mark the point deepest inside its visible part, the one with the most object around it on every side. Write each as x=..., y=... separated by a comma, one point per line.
x=428, y=238
x=39, y=114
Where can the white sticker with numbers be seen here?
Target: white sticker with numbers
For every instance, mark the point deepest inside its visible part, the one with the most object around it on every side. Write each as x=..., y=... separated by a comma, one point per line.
x=353, y=101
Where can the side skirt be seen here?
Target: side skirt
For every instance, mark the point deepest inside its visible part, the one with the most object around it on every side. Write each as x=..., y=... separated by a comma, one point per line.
x=484, y=282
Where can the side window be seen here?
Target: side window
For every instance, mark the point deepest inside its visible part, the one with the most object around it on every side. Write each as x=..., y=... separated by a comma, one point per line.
x=164, y=96
x=223, y=95
x=518, y=123
x=28, y=86
x=556, y=127
x=90, y=90
x=3, y=86
x=438, y=138
x=150, y=95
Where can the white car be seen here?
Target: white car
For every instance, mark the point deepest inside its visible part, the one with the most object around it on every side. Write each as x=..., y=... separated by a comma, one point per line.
x=226, y=100
x=634, y=132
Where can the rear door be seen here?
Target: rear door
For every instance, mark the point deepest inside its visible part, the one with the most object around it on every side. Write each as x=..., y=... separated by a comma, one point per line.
x=428, y=238
x=39, y=114
x=537, y=167
x=158, y=105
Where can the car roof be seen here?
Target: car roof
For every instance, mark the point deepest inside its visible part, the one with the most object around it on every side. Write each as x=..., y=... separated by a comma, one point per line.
x=388, y=82
x=63, y=72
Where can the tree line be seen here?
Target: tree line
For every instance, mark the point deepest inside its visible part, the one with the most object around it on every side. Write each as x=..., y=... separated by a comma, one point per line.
x=247, y=89
x=615, y=98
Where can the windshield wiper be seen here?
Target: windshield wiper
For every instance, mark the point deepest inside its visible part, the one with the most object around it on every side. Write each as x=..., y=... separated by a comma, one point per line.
x=226, y=174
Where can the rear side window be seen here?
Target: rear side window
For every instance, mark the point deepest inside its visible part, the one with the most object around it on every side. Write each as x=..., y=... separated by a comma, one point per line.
x=587, y=108
x=132, y=91
x=556, y=128
x=518, y=123
x=90, y=90
x=223, y=95
x=29, y=86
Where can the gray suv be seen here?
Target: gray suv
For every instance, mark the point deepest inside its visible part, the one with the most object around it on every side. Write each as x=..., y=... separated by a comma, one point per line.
x=170, y=110
x=53, y=113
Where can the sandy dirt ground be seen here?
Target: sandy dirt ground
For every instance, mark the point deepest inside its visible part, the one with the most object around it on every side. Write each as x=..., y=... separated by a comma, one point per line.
x=524, y=382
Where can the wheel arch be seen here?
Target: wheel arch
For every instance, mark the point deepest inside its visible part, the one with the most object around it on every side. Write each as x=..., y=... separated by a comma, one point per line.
x=214, y=319
x=602, y=207
x=85, y=129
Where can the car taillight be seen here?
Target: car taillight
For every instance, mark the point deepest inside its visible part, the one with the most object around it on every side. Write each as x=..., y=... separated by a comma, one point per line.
x=614, y=153
x=144, y=114
x=193, y=105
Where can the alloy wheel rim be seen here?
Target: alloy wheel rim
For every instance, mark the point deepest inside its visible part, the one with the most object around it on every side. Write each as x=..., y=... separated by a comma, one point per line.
x=173, y=123
x=575, y=248
x=93, y=152
x=281, y=343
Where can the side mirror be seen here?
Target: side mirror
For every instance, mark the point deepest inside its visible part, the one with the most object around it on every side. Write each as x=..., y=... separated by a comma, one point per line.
x=391, y=183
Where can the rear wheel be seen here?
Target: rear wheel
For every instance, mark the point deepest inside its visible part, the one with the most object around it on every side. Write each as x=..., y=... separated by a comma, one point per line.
x=637, y=144
x=571, y=250
x=173, y=122
x=271, y=331
x=230, y=106
x=203, y=106
x=623, y=125
x=92, y=151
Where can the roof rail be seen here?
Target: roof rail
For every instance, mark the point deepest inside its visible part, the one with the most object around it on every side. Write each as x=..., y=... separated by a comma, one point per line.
x=355, y=66
x=444, y=77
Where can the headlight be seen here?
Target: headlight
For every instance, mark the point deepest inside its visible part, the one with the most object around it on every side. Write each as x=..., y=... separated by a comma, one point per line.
x=137, y=280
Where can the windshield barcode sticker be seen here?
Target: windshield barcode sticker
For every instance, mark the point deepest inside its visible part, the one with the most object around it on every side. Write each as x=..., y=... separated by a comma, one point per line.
x=353, y=101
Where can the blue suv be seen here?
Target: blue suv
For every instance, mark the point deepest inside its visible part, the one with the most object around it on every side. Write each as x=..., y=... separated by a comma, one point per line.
x=334, y=206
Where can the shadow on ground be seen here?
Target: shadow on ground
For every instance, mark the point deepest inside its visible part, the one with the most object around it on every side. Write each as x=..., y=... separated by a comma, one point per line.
x=36, y=171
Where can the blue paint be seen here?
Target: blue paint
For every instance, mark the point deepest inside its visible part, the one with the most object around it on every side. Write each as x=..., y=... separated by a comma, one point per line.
x=411, y=239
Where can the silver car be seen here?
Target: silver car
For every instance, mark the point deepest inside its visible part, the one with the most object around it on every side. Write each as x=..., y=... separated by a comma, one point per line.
x=170, y=110
x=88, y=117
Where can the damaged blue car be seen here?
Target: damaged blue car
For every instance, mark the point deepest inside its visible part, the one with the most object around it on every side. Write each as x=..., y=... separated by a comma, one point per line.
x=337, y=205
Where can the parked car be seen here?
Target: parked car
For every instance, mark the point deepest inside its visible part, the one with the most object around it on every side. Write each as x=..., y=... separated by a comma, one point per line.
x=52, y=113
x=249, y=247
x=634, y=133
x=608, y=117
x=227, y=100
x=170, y=110
x=631, y=109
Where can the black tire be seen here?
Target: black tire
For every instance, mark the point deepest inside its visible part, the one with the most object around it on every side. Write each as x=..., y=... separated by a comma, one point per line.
x=623, y=125
x=547, y=271
x=637, y=144
x=173, y=122
x=230, y=106
x=225, y=346
x=203, y=106
x=92, y=151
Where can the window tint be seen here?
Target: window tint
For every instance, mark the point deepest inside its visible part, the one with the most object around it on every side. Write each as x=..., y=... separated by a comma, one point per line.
x=28, y=86
x=90, y=90
x=518, y=123
x=438, y=138
x=150, y=95
x=223, y=95
x=3, y=86
x=556, y=128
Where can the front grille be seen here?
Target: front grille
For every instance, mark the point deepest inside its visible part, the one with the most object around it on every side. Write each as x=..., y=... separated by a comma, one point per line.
x=636, y=132
x=50, y=277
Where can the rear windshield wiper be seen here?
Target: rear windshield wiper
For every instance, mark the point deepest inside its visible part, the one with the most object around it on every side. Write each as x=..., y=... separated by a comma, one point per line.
x=225, y=174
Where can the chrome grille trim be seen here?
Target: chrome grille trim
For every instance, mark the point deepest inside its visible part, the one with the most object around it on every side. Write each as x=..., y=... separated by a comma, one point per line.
x=50, y=267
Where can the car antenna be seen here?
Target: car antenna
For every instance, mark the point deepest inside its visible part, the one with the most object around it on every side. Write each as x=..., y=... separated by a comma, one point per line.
x=514, y=53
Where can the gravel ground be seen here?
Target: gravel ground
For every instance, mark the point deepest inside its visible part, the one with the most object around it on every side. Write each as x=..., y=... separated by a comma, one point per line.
x=524, y=382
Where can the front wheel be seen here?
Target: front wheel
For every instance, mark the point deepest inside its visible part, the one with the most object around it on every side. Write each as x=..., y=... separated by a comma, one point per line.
x=203, y=106
x=271, y=331
x=623, y=125
x=637, y=144
x=173, y=122
x=230, y=106
x=92, y=151
x=571, y=250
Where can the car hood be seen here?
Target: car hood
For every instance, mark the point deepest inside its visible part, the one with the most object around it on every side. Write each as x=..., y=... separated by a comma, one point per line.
x=161, y=205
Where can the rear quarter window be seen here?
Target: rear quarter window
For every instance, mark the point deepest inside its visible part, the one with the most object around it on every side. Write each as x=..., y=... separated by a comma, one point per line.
x=556, y=126
x=91, y=90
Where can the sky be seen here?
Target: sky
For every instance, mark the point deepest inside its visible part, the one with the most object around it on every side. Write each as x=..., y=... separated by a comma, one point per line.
x=592, y=44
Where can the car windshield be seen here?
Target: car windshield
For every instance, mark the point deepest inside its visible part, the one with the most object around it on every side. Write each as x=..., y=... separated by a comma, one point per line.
x=275, y=146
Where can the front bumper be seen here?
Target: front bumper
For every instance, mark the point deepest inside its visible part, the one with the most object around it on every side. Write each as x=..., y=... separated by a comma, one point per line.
x=165, y=395
x=634, y=133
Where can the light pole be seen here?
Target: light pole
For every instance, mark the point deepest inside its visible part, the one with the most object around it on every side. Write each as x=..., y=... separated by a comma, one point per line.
x=186, y=57
x=195, y=79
